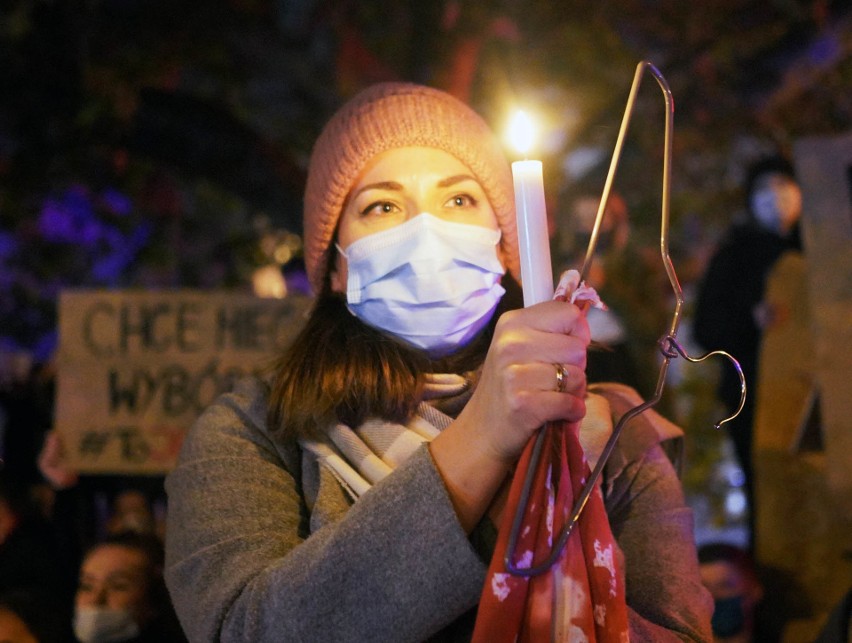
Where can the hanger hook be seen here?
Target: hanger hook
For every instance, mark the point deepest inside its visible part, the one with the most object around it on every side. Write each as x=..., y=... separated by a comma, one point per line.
x=670, y=347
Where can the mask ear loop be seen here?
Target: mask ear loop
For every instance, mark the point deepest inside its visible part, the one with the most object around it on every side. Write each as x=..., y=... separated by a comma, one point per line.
x=669, y=347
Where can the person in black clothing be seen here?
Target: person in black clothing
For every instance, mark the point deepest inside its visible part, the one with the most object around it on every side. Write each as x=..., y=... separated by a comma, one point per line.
x=729, y=314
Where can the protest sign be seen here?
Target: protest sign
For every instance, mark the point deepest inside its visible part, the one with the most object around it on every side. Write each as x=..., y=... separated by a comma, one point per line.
x=136, y=368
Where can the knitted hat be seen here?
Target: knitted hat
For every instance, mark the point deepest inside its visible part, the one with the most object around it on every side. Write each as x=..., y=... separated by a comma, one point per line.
x=392, y=115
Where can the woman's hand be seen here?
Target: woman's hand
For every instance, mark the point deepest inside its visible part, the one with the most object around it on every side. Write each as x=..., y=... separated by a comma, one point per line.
x=516, y=395
x=595, y=430
x=517, y=392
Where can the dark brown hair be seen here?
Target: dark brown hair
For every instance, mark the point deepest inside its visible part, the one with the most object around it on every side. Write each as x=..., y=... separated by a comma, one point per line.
x=338, y=369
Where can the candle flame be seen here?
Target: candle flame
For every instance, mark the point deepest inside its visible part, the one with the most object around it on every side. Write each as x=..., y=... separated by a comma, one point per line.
x=521, y=131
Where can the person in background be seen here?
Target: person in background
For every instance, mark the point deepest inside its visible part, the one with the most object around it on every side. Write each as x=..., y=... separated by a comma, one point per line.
x=84, y=510
x=352, y=495
x=729, y=312
x=121, y=595
x=130, y=502
x=729, y=573
x=132, y=511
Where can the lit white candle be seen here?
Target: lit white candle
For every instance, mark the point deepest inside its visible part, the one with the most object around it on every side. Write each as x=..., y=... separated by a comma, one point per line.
x=536, y=269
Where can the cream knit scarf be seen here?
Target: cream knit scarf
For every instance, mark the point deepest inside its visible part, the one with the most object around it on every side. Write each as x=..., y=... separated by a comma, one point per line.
x=361, y=457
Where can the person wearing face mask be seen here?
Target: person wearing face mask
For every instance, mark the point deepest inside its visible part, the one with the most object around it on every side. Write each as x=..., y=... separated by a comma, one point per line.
x=729, y=314
x=121, y=596
x=729, y=574
x=352, y=494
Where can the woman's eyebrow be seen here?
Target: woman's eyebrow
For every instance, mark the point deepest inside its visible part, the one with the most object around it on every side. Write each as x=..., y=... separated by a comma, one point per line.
x=381, y=185
x=458, y=178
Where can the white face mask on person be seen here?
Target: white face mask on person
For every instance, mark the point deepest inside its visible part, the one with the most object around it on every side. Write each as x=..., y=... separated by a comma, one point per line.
x=430, y=282
x=777, y=206
x=103, y=625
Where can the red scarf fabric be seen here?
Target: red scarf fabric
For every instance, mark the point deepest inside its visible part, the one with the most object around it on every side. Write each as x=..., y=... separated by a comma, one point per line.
x=582, y=596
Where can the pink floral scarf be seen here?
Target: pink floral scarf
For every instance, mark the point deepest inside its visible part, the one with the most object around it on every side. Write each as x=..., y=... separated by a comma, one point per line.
x=582, y=596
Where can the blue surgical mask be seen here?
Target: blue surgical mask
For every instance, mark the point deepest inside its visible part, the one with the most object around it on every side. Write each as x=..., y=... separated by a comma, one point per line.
x=776, y=207
x=432, y=283
x=728, y=616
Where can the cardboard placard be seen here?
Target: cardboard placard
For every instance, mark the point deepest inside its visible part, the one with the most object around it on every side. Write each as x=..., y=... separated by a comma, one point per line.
x=824, y=169
x=136, y=368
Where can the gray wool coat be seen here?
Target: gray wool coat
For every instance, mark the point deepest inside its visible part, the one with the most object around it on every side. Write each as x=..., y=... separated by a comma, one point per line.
x=264, y=545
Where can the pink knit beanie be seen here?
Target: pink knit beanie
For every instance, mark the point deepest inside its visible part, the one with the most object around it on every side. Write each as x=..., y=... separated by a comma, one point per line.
x=388, y=116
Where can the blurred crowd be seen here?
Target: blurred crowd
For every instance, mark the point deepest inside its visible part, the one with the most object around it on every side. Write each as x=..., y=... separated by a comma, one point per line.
x=81, y=557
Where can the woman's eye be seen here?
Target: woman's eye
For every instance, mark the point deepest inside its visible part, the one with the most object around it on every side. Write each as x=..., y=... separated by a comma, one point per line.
x=461, y=201
x=379, y=208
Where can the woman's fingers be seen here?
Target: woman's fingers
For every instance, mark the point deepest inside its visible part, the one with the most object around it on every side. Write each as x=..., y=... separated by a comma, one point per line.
x=547, y=378
x=545, y=406
x=553, y=332
x=557, y=317
x=534, y=372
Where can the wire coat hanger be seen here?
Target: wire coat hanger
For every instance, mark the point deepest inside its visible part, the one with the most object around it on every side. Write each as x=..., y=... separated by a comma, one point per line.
x=669, y=346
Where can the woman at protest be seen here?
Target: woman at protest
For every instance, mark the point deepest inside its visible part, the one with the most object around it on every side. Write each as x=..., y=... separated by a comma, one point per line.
x=353, y=495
